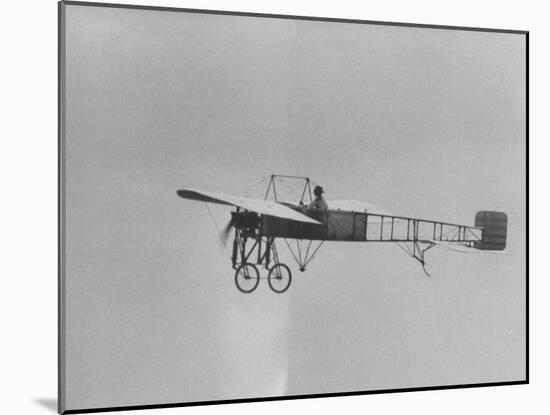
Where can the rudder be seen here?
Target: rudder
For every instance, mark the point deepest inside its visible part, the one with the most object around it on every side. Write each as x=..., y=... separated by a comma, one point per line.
x=495, y=227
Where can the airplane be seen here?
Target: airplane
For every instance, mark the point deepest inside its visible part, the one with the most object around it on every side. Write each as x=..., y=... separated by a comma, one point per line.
x=258, y=223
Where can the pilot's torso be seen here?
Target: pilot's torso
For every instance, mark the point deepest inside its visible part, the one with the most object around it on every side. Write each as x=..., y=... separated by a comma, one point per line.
x=318, y=204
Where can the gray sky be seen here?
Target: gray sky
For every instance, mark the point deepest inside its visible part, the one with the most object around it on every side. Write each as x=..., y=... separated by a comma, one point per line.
x=427, y=123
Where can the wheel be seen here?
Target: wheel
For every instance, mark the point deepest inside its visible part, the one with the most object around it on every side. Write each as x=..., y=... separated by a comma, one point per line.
x=247, y=278
x=279, y=278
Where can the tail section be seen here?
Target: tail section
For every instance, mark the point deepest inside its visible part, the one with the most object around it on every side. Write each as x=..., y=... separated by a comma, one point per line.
x=495, y=227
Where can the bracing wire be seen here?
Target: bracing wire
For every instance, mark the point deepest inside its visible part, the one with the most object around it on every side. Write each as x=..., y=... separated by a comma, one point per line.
x=308, y=248
x=291, y=251
x=299, y=251
x=313, y=254
x=404, y=249
x=292, y=186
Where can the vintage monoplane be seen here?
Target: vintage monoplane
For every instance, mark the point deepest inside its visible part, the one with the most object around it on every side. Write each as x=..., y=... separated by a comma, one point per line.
x=262, y=221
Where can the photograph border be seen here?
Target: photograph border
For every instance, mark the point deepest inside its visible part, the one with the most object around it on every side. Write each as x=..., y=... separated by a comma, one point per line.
x=61, y=225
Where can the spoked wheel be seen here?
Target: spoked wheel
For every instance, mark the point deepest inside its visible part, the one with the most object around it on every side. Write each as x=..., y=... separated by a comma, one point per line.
x=279, y=278
x=247, y=278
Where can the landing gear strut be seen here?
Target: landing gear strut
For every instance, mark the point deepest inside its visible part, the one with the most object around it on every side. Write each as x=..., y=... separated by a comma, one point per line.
x=263, y=252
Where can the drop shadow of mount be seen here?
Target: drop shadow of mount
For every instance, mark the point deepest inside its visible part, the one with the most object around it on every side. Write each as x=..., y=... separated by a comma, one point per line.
x=48, y=403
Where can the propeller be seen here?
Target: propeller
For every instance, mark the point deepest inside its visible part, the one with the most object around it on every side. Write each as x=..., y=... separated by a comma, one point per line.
x=224, y=235
x=225, y=231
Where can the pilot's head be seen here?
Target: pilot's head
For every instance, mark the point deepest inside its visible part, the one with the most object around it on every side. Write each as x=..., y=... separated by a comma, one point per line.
x=318, y=191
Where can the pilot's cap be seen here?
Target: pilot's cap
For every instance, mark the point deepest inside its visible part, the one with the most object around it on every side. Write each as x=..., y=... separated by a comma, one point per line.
x=318, y=190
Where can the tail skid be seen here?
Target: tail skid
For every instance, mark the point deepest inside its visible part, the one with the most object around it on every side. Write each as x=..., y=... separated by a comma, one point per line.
x=417, y=250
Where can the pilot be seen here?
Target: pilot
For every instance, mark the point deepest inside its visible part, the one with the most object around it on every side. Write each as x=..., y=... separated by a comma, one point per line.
x=319, y=203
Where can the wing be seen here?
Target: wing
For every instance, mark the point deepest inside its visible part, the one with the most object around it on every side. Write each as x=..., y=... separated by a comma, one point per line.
x=264, y=207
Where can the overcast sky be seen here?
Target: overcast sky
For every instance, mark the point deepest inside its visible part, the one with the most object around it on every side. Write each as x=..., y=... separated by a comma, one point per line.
x=428, y=123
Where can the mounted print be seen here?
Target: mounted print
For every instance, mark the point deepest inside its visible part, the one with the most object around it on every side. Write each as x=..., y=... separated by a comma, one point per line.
x=258, y=207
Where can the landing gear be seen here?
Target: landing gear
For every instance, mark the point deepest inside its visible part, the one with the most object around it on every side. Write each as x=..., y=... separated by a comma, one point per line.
x=262, y=252
x=279, y=278
x=247, y=278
